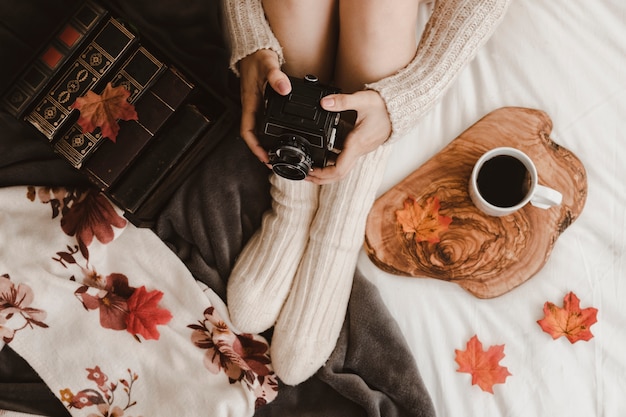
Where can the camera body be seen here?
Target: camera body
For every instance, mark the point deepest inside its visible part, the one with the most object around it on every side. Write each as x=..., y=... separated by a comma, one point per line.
x=297, y=132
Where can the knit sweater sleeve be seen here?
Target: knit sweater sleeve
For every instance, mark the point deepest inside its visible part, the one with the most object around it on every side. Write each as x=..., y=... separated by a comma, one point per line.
x=451, y=38
x=247, y=30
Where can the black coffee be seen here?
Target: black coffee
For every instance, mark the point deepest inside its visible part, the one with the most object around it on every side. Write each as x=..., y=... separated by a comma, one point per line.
x=503, y=181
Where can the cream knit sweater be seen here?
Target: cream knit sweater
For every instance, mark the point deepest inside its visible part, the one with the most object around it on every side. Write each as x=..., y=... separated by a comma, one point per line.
x=453, y=34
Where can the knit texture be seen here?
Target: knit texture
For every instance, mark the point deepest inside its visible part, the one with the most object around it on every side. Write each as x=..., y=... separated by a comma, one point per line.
x=451, y=38
x=309, y=324
x=247, y=31
x=264, y=271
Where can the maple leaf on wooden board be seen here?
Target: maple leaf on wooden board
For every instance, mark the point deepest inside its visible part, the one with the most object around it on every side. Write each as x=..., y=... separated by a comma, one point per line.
x=569, y=321
x=104, y=110
x=424, y=222
x=482, y=365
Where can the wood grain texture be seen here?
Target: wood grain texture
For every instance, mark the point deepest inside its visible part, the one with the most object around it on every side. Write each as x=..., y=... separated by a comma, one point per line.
x=488, y=256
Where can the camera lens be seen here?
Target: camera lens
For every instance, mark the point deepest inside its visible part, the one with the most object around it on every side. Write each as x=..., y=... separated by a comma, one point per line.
x=291, y=159
x=291, y=172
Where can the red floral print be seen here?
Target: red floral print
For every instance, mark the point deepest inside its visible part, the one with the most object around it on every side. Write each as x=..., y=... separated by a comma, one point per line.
x=241, y=357
x=123, y=307
x=97, y=376
x=57, y=197
x=84, y=213
x=92, y=215
x=103, y=398
x=15, y=309
x=87, y=214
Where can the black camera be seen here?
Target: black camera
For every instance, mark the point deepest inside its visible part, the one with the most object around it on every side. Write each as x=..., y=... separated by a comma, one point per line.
x=297, y=132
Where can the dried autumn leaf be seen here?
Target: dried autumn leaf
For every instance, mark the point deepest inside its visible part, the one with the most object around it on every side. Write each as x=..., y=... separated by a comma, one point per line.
x=104, y=110
x=569, y=321
x=144, y=314
x=482, y=365
x=424, y=222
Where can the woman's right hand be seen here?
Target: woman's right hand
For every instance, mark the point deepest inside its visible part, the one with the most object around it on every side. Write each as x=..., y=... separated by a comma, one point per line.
x=256, y=70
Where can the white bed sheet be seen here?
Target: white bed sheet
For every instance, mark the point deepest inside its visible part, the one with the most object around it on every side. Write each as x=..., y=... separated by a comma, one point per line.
x=568, y=58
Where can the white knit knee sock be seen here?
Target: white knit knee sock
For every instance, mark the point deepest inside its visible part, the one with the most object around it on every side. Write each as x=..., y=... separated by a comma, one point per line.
x=264, y=271
x=309, y=324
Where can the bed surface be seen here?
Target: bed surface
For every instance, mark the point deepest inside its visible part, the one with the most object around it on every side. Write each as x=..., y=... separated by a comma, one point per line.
x=569, y=60
x=565, y=58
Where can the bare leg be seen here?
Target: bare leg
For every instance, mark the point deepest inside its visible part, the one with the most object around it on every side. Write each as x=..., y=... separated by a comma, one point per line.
x=376, y=39
x=307, y=31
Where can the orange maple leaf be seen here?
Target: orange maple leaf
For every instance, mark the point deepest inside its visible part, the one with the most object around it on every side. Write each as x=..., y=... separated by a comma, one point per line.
x=104, y=110
x=482, y=365
x=569, y=321
x=423, y=221
x=144, y=314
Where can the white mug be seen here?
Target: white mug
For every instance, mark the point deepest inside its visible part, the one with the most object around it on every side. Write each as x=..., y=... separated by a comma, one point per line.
x=504, y=180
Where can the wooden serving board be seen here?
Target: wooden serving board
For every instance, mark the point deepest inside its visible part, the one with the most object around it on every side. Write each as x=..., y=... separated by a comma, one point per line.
x=488, y=256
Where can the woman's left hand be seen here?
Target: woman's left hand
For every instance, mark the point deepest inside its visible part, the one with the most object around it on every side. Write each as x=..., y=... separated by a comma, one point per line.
x=372, y=128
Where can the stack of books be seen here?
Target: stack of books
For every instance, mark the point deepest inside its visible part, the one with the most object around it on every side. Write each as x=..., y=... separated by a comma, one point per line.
x=178, y=122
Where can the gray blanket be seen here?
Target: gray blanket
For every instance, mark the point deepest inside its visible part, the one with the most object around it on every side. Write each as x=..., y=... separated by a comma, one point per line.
x=371, y=371
x=206, y=223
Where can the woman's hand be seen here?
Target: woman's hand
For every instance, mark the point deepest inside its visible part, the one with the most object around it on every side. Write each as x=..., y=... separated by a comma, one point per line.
x=256, y=71
x=371, y=130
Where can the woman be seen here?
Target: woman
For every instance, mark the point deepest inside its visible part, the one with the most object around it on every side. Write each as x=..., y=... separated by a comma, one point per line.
x=296, y=272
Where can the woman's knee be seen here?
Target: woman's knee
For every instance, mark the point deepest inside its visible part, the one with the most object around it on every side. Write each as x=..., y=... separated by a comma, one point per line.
x=307, y=31
x=376, y=39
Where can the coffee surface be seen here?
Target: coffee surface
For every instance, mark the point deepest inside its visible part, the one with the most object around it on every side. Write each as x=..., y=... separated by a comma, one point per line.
x=503, y=181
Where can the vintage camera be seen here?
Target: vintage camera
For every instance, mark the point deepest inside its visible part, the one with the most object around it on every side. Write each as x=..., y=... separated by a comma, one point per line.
x=297, y=132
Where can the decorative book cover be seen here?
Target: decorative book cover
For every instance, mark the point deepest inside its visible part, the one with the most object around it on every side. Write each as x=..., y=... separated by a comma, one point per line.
x=179, y=120
x=154, y=109
x=61, y=49
x=136, y=74
x=95, y=61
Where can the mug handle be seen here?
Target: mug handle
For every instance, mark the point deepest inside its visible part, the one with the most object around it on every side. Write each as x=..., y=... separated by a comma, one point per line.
x=545, y=197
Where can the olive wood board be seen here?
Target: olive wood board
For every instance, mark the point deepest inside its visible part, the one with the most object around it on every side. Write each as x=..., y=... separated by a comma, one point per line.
x=488, y=256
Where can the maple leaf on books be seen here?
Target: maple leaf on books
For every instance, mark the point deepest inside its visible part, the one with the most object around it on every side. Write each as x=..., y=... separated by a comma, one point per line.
x=482, y=365
x=104, y=110
x=424, y=222
x=569, y=321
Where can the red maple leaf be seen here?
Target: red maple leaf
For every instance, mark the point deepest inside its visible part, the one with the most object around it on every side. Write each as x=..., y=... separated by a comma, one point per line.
x=482, y=365
x=144, y=313
x=424, y=222
x=569, y=321
x=104, y=110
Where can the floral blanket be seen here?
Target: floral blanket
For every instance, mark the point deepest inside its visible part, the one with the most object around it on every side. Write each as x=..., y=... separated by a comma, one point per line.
x=371, y=372
x=118, y=317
